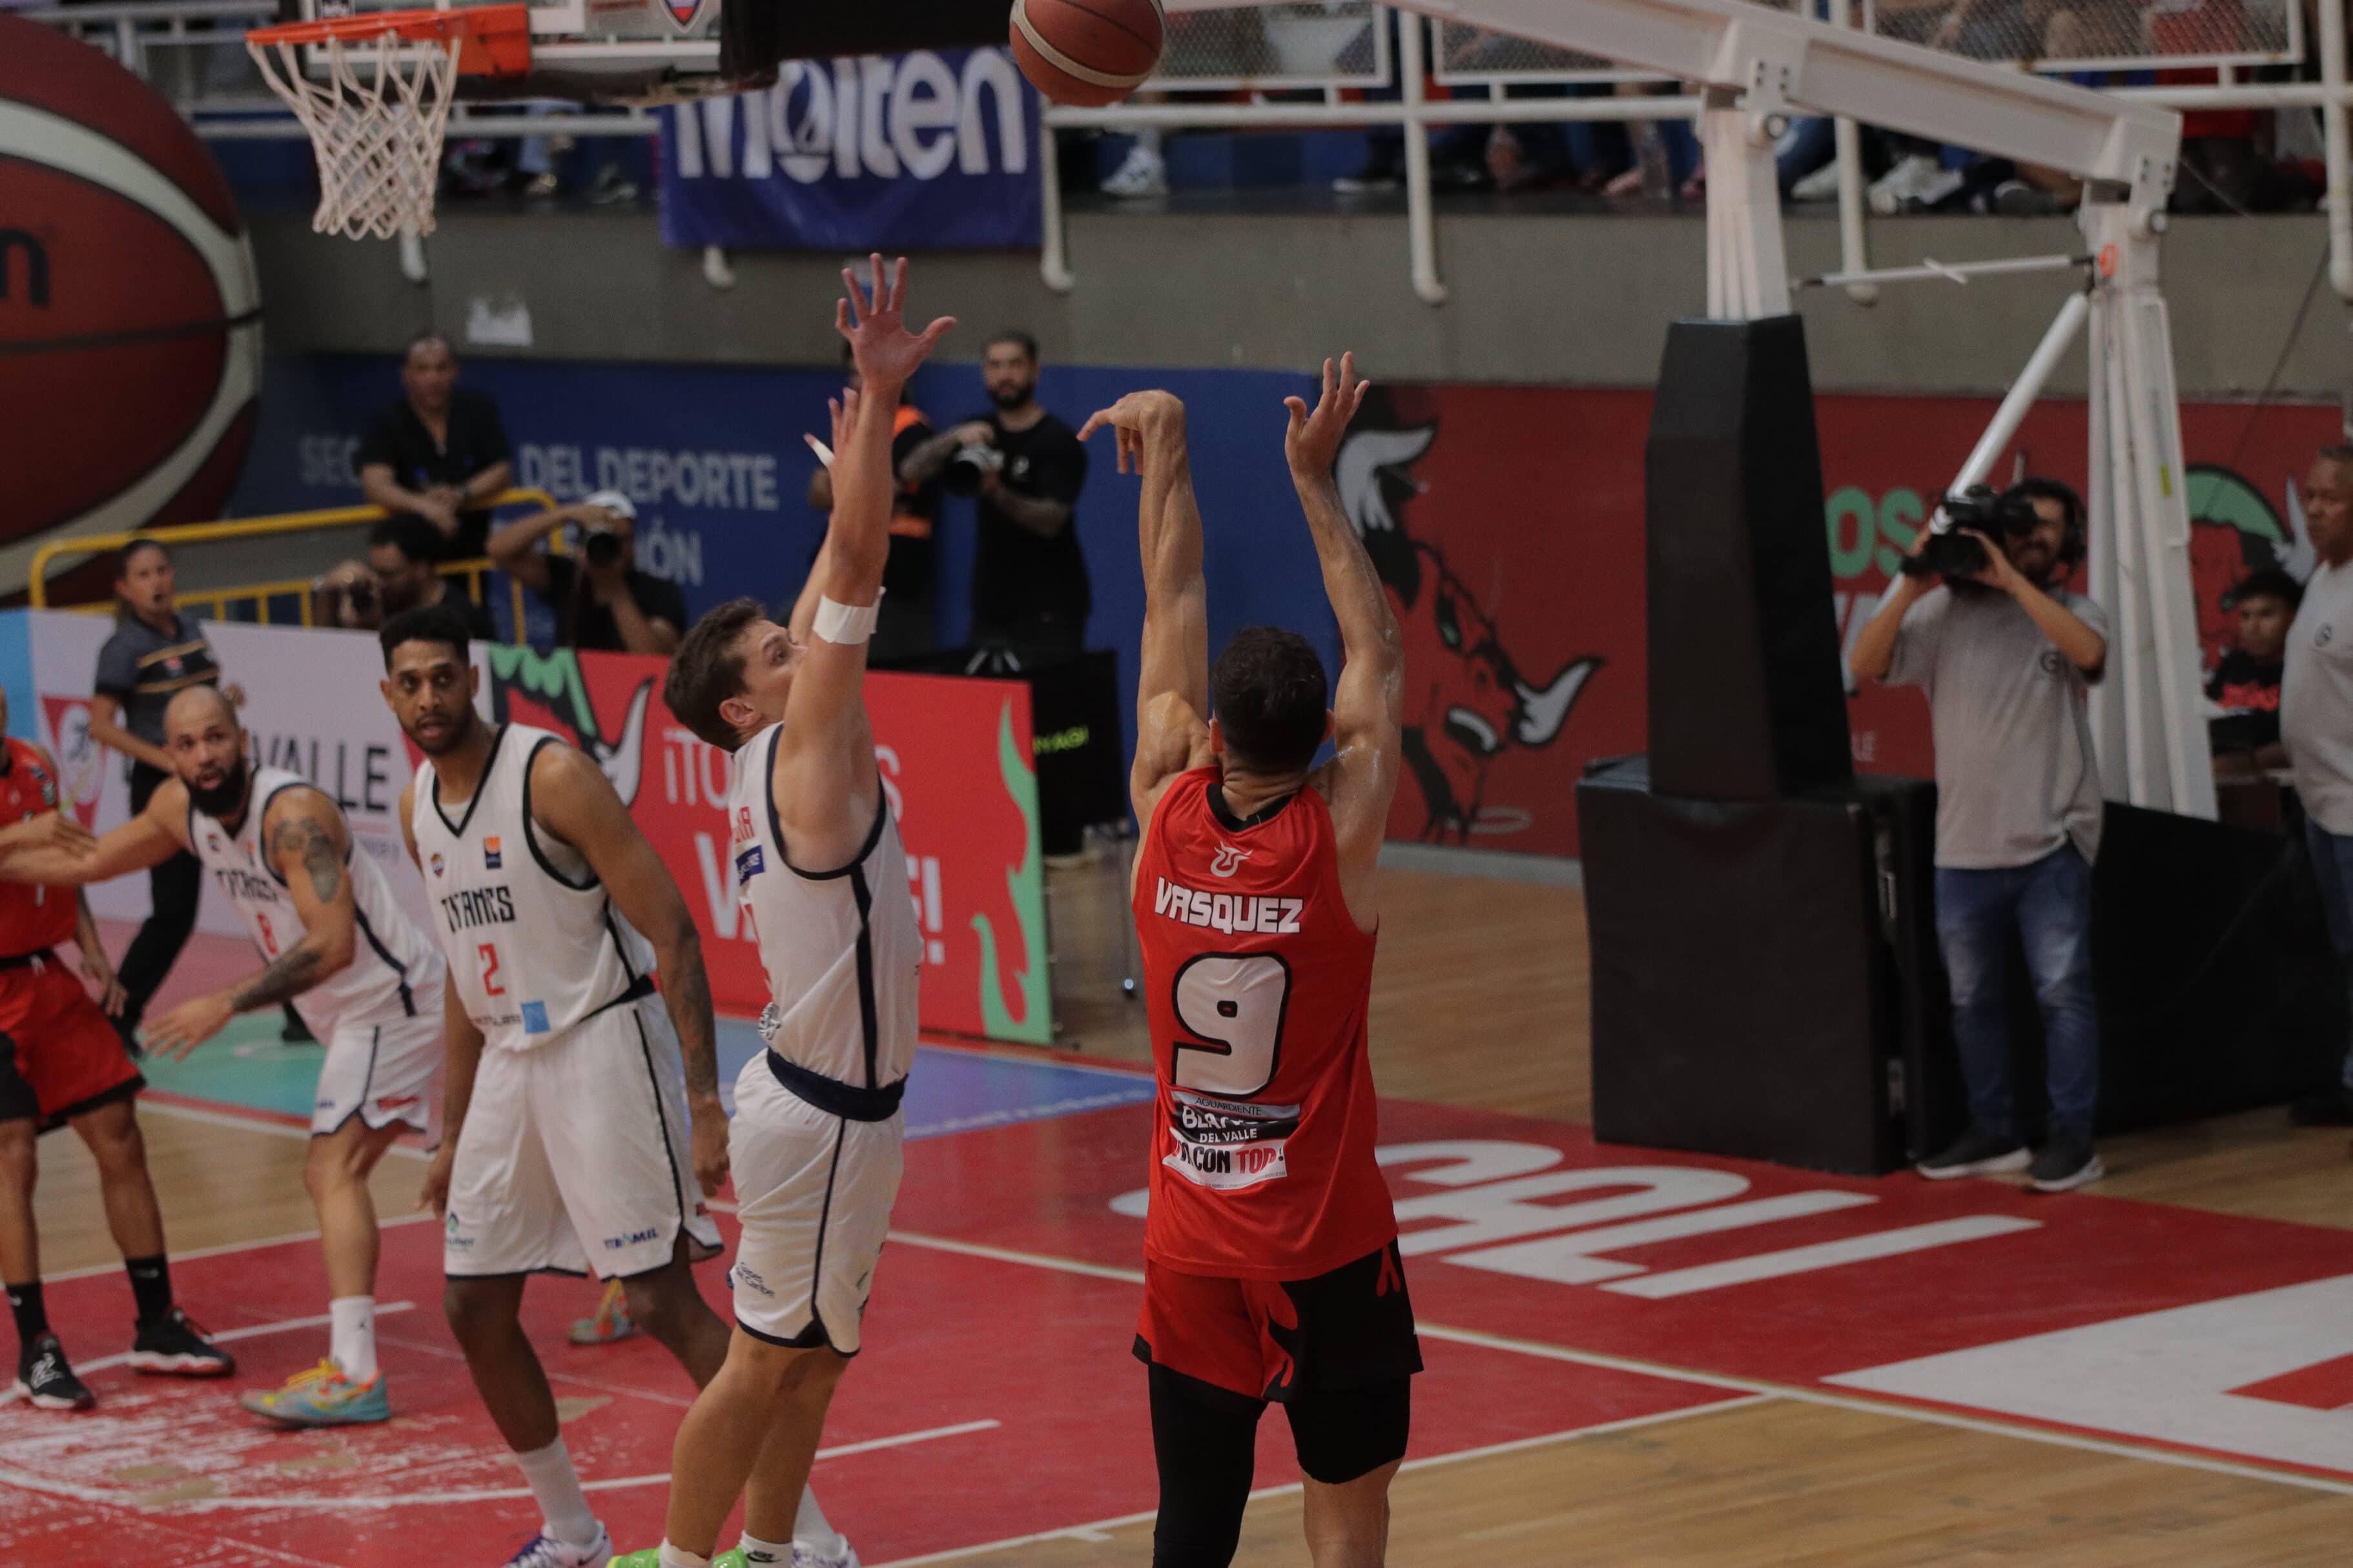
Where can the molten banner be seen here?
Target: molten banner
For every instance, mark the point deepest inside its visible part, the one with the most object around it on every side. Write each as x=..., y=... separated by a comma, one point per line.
x=955, y=759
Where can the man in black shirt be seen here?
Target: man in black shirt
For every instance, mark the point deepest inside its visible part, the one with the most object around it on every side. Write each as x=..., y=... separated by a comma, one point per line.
x=2246, y=680
x=1030, y=592
x=440, y=453
x=402, y=553
x=602, y=602
x=903, y=625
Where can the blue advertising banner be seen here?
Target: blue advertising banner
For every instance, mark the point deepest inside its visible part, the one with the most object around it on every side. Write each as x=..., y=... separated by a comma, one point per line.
x=928, y=149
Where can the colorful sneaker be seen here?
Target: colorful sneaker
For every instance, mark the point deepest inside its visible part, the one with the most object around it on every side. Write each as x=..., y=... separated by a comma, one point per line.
x=609, y=1323
x=45, y=1382
x=544, y=1551
x=175, y=1346
x=321, y=1396
x=809, y=1557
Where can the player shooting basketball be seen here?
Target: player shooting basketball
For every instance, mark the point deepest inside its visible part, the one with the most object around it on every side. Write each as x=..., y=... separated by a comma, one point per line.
x=1272, y=1272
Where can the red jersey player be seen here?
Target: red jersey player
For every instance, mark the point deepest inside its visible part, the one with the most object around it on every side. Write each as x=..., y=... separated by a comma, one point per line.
x=62, y=1065
x=1271, y=1264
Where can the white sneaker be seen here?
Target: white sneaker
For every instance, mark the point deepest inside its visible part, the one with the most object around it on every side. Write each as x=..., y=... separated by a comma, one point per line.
x=1142, y=173
x=809, y=1557
x=544, y=1551
x=1821, y=186
x=1905, y=183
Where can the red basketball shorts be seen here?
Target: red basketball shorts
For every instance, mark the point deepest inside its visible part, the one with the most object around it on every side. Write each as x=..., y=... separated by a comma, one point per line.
x=60, y=1056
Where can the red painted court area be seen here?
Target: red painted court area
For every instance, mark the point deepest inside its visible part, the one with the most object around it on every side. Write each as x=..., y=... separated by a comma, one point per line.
x=1565, y=1287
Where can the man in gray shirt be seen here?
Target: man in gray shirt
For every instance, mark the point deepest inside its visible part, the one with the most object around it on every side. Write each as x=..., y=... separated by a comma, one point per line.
x=2317, y=726
x=2006, y=658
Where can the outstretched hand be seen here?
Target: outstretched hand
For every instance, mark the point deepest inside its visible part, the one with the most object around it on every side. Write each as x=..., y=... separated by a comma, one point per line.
x=873, y=320
x=1131, y=419
x=1312, y=442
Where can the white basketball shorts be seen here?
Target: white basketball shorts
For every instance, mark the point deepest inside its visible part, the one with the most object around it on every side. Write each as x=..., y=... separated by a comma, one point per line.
x=383, y=1073
x=575, y=1156
x=814, y=1191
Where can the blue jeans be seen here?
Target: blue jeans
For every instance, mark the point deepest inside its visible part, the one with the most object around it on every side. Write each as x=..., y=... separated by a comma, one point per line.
x=2049, y=905
x=2332, y=868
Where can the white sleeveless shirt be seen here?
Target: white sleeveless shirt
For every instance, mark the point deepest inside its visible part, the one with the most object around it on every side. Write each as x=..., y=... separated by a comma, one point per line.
x=533, y=942
x=392, y=963
x=841, y=947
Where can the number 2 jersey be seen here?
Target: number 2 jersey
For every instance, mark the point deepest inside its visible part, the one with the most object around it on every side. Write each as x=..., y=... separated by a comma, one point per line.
x=1258, y=981
x=535, y=942
x=392, y=964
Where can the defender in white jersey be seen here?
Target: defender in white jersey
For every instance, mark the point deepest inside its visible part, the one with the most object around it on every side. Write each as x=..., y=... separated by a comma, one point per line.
x=338, y=945
x=823, y=880
x=584, y=1127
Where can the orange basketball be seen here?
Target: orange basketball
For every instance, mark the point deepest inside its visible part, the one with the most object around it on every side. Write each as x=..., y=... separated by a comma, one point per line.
x=1086, y=53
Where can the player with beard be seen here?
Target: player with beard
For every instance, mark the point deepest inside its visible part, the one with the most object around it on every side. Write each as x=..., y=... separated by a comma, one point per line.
x=571, y=1083
x=62, y=1065
x=337, y=944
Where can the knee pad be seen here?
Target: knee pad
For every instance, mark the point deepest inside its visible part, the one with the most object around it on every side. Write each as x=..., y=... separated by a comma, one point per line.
x=1342, y=1435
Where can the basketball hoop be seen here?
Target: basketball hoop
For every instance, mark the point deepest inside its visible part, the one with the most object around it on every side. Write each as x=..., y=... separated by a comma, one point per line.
x=376, y=119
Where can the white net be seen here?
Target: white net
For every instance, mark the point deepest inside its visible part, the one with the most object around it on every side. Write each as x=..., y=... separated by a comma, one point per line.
x=375, y=122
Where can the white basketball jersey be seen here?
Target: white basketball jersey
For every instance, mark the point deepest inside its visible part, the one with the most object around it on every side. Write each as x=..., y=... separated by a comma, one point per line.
x=393, y=962
x=534, y=943
x=843, y=948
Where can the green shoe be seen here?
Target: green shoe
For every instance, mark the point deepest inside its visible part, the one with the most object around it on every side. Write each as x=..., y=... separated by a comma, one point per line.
x=322, y=1396
x=651, y=1558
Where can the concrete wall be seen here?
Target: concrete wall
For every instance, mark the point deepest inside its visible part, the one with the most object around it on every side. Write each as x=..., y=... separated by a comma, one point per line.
x=1537, y=298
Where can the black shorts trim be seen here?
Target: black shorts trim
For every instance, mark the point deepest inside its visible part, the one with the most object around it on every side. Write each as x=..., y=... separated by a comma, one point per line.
x=127, y=1089
x=812, y=1338
x=832, y=1095
x=520, y=1273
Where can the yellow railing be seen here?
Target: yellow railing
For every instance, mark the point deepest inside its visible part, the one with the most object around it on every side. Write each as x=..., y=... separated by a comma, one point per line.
x=476, y=572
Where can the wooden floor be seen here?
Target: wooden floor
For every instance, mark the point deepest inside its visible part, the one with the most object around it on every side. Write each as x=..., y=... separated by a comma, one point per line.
x=1481, y=1001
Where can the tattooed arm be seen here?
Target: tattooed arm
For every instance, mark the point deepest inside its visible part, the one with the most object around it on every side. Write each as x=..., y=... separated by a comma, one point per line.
x=305, y=843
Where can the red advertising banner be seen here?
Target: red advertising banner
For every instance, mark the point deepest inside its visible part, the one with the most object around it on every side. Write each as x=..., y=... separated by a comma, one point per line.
x=1508, y=525
x=954, y=756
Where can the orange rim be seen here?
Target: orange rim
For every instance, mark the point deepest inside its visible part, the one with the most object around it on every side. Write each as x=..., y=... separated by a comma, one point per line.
x=497, y=37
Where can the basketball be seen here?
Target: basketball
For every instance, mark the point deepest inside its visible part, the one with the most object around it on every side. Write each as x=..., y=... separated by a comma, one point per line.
x=129, y=331
x=1087, y=53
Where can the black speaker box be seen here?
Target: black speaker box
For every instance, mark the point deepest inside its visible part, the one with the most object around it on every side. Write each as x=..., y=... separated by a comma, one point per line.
x=1757, y=968
x=1746, y=696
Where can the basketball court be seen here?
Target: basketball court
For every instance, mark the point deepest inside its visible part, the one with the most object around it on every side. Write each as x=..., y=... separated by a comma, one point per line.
x=1633, y=1356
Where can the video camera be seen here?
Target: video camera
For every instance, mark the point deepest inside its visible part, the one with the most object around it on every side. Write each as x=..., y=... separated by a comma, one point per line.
x=964, y=471
x=1949, y=552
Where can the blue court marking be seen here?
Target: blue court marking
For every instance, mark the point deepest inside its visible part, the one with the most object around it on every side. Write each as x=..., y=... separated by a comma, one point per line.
x=949, y=1091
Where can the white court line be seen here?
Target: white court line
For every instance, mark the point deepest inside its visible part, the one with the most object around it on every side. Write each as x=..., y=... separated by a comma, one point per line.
x=226, y=1248
x=1097, y=1529
x=253, y=1121
x=511, y=1494
x=384, y=1310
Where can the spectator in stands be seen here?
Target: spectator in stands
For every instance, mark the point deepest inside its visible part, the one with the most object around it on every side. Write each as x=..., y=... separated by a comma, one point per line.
x=602, y=602
x=154, y=654
x=404, y=553
x=2006, y=657
x=904, y=628
x=346, y=597
x=440, y=452
x=2246, y=680
x=2316, y=725
x=1029, y=591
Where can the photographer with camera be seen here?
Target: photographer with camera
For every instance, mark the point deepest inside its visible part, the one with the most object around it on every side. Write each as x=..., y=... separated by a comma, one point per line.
x=405, y=553
x=602, y=602
x=2007, y=656
x=1024, y=469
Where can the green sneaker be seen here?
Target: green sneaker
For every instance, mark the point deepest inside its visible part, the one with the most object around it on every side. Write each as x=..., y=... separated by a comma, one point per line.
x=322, y=1396
x=651, y=1558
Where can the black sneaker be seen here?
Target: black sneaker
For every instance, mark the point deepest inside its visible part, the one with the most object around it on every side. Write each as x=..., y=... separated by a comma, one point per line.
x=2066, y=1162
x=2331, y=1107
x=1978, y=1153
x=175, y=1346
x=45, y=1382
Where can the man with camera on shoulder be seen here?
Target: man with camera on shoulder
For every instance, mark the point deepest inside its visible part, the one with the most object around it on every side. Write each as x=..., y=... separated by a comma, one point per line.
x=602, y=602
x=2007, y=657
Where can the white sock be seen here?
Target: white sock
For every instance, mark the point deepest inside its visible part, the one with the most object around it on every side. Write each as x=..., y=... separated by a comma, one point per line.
x=810, y=1530
x=352, y=1341
x=768, y=1553
x=556, y=1489
x=679, y=1557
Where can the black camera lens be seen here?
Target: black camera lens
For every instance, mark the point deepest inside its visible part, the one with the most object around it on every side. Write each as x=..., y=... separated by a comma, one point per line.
x=602, y=549
x=360, y=597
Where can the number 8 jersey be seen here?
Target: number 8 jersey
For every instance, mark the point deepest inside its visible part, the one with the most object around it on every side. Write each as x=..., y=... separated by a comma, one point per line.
x=1258, y=981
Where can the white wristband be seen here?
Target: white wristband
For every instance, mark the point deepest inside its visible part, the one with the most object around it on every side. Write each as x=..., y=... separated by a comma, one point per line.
x=840, y=623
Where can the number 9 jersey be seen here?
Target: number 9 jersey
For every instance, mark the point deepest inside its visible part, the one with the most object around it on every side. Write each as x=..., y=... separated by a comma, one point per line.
x=1258, y=981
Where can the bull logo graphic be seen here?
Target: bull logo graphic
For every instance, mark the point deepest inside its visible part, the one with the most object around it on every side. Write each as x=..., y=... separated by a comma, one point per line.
x=1229, y=861
x=1466, y=701
x=552, y=682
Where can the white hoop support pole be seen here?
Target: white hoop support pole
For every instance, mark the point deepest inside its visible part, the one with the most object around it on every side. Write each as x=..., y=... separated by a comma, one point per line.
x=2024, y=391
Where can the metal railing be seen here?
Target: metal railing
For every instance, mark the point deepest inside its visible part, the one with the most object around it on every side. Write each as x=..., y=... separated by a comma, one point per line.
x=475, y=573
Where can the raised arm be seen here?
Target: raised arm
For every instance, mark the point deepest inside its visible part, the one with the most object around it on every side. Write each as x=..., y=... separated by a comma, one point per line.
x=843, y=411
x=828, y=747
x=514, y=548
x=306, y=843
x=1172, y=690
x=52, y=850
x=1368, y=706
x=572, y=799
